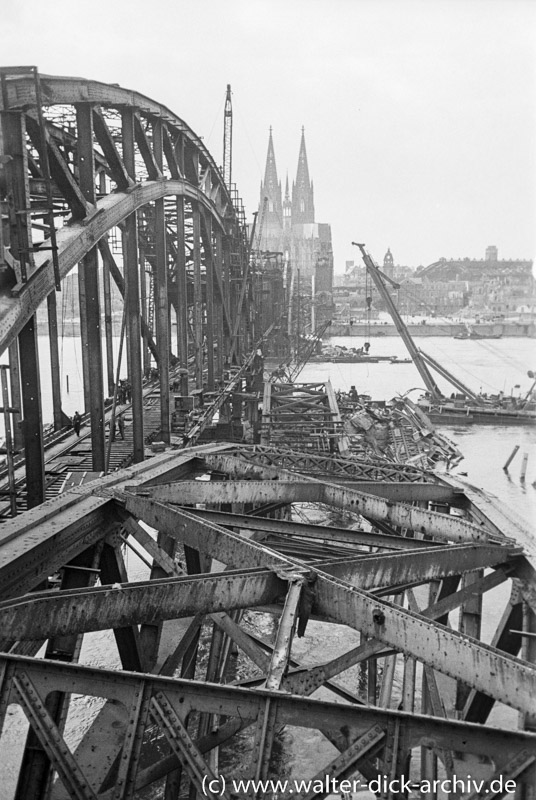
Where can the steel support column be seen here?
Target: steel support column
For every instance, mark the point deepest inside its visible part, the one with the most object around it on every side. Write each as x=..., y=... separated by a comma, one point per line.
x=218, y=305
x=108, y=326
x=209, y=262
x=20, y=242
x=16, y=397
x=198, y=297
x=91, y=337
x=54, y=360
x=226, y=285
x=84, y=346
x=181, y=296
x=113, y=571
x=132, y=295
x=32, y=414
x=146, y=356
x=161, y=294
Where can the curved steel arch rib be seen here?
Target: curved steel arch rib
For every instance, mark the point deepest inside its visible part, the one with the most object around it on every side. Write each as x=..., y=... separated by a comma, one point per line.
x=56, y=90
x=74, y=242
x=187, y=170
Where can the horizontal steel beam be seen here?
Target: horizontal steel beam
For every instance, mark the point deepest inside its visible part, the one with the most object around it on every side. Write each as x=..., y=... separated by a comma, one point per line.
x=416, y=566
x=29, y=554
x=46, y=614
x=35, y=544
x=308, y=532
x=296, y=490
x=231, y=701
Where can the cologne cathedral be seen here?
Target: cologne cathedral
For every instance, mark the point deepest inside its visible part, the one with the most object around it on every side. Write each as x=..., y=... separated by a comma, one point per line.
x=289, y=227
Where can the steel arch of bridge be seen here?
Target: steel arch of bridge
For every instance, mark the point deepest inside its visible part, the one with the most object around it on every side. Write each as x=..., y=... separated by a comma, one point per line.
x=105, y=159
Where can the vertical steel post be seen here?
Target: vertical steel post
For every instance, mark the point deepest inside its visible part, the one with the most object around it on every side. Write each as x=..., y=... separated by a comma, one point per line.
x=528, y=719
x=108, y=311
x=209, y=260
x=227, y=292
x=150, y=633
x=31, y=408
x=82, y=305
x=18, y=185
x=133, y=326
x=17, y=182
x=218, y=306
x=52, y=310
x=108, y=325
x=144, y=315
x=89, y=267
x=182, y=296
x=16, y=397
x=470, y=624
x=8, y=441
x=161, y=291
x=198, y=297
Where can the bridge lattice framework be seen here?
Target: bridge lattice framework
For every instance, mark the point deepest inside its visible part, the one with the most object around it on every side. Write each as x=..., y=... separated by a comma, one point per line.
x=108, y=180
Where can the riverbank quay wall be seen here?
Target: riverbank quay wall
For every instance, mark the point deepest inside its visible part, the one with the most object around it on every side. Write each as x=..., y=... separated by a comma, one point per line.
x=213, y=525
x=506, y=330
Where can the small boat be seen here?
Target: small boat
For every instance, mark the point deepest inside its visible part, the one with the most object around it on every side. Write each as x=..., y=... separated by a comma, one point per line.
x=470, y=333
x=355, y=359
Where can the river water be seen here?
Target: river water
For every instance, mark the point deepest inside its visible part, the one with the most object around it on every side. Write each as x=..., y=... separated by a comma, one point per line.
x=487, y=365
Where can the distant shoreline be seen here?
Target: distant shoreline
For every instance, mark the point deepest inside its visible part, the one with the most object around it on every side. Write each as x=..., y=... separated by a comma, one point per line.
x=525, y=330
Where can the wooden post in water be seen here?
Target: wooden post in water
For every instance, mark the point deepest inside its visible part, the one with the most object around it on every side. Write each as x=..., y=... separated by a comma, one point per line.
x=511, y=458
x=524, y=467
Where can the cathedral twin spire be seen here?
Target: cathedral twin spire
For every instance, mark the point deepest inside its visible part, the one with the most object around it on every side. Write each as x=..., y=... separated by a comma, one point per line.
x=297, y=208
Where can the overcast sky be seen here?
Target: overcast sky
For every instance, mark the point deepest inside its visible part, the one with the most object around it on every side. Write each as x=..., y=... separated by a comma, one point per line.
x=419, y=115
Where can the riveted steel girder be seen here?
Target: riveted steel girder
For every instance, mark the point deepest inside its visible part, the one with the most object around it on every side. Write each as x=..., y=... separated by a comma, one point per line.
x=307, y=533
x=416, y=566
x=298, y=491
x=507, y=679
x=231, y=701
x=48, y=614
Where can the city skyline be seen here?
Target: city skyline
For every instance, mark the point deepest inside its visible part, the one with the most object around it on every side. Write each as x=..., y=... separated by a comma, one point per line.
x=419, y=116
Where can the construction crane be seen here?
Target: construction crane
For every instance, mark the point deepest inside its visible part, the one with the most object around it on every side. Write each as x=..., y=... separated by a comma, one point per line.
x=379, y=279
x=421, y=359
x=228, y=139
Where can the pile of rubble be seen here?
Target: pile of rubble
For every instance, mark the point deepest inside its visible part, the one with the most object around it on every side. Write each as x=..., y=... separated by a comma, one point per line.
x=396, y=430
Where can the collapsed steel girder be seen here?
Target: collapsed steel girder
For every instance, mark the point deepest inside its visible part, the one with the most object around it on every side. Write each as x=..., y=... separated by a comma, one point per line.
x=369, y=505
x=332, y=589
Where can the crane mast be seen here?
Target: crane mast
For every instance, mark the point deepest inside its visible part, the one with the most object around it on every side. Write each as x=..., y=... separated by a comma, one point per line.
x=378, y=278
x=228, y=139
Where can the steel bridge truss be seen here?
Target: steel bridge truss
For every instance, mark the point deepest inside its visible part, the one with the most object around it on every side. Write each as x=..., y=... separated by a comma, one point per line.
x=104, y=178
x=408, y=693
